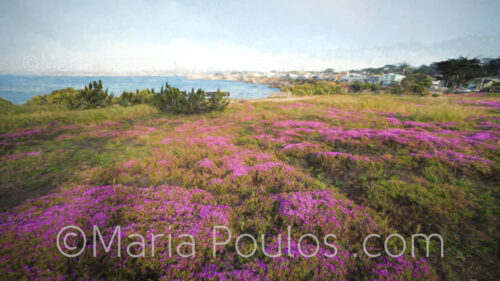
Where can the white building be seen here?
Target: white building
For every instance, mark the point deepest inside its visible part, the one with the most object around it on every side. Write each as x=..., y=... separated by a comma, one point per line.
x=391, y=79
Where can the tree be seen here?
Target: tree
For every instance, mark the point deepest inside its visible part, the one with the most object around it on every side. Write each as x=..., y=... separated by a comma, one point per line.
x=430, y=69
x=417, y=83
x=457, y=72
x=356, y=86
x=404, y=68
x=389, y=68
x=492, y=67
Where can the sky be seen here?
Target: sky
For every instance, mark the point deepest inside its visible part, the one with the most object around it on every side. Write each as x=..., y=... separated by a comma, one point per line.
x=146, y=36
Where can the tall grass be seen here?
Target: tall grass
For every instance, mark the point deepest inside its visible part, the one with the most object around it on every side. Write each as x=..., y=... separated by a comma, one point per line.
x=418, y=108
x=444, y=109
x=32, y=115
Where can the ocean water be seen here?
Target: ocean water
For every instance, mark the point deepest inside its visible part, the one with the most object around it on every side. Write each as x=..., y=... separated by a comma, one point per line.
x=18, y=88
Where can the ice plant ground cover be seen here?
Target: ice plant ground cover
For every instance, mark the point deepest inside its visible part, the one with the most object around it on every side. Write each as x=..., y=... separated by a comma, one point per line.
x=343, y=165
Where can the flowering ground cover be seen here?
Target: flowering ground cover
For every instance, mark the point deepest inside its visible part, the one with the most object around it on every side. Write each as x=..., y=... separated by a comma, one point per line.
x=342, y=165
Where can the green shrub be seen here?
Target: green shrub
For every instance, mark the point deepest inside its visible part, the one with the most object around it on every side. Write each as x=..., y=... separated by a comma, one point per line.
x=356, y=86
x=139, y=97
x=62, y=97
x=416, y=84
x=375, y=87
x=6, y=106
x=171, y=99
x=92, y=96
x=359, y=86
x=396, y=90
x=314, y=87
x=217, y=101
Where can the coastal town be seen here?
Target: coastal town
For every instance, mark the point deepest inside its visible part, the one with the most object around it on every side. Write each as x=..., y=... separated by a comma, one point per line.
x=386, y=76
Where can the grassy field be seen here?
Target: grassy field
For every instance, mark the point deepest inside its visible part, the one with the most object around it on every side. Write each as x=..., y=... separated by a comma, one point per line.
x=348, y=165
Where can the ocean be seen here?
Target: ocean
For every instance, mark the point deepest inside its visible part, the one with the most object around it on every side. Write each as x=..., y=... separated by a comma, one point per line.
x=20, y=88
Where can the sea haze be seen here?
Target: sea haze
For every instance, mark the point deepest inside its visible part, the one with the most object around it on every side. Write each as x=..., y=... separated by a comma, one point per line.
x=18, y=88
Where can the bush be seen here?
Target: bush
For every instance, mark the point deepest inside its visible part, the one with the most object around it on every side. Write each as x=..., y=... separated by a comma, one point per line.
x=375, y=87
x=367, y=86
x=171, y=99
x=6, y=106
x=396, y=90
x=416, y=84
x=62, y=97
x=139, y=97
x=217, y=101
x=356, y=86
x=91, y=96
x=359, y=86
x=314, y=87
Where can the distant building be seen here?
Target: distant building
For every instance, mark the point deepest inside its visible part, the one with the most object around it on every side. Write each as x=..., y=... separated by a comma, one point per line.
x=373, y=79
x=483, y=82
x=438, y=85
x=344, y=75
x=355, y=77
x=391, y=79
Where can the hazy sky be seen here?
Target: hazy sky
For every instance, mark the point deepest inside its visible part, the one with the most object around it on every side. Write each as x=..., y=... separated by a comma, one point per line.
x=144, y=35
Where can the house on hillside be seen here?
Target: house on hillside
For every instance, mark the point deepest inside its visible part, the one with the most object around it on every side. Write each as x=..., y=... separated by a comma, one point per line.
x=482, y=83
x=391, y=79
x=373, y=79
x=355, y=77
x=438, y=85
x=344, y=75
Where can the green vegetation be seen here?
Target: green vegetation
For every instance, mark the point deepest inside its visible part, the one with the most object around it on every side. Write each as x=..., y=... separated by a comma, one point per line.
x=92, y=96
x=145, y=96
x=359, y=86
x=29, y=115
x=171, y=99
x=5, y=105
x=313, y=87
x=414, y=84
x=62, y=97
x=356, y=86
